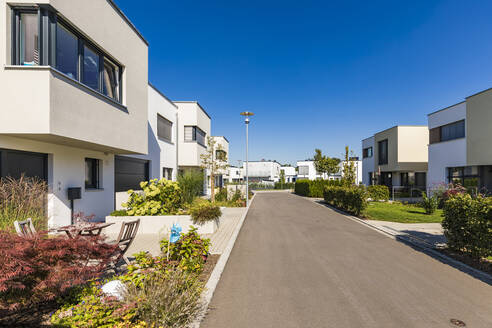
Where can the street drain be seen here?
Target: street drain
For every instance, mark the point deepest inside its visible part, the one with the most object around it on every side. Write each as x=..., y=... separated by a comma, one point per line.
x=458, y=323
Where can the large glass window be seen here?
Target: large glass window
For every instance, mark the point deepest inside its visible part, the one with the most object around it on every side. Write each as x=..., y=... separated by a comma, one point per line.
x=303, y=170
x=383, y=152
x=91, y=68
x=67, y=52
x=453, y=131
x=29, y=39
x=367, y=152
x=164, y=128
x=63, y=47
x=193, y=133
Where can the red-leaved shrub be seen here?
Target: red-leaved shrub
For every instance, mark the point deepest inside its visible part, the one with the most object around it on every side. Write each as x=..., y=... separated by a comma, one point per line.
x=40, y=268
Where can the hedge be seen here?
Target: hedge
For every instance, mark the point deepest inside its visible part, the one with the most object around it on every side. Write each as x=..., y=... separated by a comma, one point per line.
x=377, y=192
x=467, y=224
x=285, y=185
x=313, y=188
x=350, y=199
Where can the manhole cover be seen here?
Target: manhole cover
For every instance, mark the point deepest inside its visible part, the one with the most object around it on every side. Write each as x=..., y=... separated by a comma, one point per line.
x=458, y=323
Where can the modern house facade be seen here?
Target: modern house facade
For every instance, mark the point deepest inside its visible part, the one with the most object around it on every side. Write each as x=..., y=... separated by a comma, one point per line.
x=221, y=155
x=289, y=173
x=399, y=157
x=459, y=144
x=307, y=170
x=73, y=81
x=162, y=157
x=262, y=171
x=234, y=174
x=194, y=125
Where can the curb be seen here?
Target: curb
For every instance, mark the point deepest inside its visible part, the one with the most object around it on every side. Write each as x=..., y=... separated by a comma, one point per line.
x=219, y=268
x=415, y=241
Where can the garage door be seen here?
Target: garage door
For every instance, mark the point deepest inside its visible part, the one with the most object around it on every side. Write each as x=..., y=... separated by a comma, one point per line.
x=129, y=172
x=14, y=163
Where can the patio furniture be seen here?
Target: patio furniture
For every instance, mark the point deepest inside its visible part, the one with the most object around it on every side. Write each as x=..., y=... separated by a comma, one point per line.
x=125, y=238
x=25, y=228
x=84, y=229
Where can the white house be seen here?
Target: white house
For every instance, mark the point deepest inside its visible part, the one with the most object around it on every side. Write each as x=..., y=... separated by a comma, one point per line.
x=290, y=173
x=221, y=154
x=161, y=159
x=368, y=165
x=74, y=94
x=259, y=171
x=460, y=139
x=234, y=174
x=307, y=170
x=398, y=155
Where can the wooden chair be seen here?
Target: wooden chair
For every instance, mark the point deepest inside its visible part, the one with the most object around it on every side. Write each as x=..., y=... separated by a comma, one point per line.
x=125, y=238
x=25, y=228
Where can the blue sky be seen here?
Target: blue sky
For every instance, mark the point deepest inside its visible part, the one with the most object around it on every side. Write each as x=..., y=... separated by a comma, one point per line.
x=317, y=74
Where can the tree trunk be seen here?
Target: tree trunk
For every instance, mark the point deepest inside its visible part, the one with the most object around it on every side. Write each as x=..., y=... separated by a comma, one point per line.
x=212, y=185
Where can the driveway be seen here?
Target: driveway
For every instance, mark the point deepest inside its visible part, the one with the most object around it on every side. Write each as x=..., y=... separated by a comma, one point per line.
x=298, y=264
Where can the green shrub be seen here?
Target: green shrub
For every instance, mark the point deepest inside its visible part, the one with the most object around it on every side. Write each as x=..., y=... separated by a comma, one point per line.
x=21, y=199
x=203, y=211
x=94, y=309
x=350, y=199
x=285, y=185
x=467, y=224
x=160, y=197
x=313, y=188
x=377, y=192
x=190, y=250
x=429, y=204
x=171, y=300
x=221, y=196
x=191, y=183
x=119, y=213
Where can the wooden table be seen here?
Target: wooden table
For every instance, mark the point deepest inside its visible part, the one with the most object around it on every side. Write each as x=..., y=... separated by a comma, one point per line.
x=83, y=229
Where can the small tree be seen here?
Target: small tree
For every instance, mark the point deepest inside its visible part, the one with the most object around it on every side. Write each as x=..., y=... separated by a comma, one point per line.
x=348, y=170
x=282, y=178
x=325, y=164
x=213, y=160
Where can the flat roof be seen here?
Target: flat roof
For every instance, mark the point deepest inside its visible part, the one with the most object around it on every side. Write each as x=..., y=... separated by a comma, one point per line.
x=403, y=126
x=192, y=102
x=127, y=20
x=440, y=110
x=163, y=95
x=221, y=137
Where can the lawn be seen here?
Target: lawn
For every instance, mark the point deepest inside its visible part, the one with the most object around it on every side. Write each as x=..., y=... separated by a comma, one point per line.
x=397, y=212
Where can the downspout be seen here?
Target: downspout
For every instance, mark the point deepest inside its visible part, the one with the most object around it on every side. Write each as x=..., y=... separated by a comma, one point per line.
x=177, y=144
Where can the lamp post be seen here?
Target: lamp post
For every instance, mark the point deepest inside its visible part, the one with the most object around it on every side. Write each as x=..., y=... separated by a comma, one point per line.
x=246, y=121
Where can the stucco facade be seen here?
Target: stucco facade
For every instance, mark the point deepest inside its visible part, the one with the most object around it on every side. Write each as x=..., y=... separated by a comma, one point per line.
x=58, y=116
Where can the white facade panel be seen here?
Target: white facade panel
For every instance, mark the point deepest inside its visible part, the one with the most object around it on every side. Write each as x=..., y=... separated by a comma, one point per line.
x=368, y=162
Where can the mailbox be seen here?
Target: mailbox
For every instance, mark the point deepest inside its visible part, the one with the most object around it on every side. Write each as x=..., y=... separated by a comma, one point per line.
x=74, y=193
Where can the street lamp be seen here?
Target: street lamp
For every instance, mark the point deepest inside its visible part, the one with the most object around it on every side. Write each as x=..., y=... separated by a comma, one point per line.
x=246, y=121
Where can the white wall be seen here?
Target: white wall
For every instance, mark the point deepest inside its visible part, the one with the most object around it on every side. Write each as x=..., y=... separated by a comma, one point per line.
x=269, y=170
x=445, y=154
x=161, y=152
x=190, y=113
x=290, y=173
x=66, y=168
x=367, y=163
x=312, y=174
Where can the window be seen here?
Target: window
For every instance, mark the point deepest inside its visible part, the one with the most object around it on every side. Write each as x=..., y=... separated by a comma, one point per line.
x=67, y=52
x=383, y=152
x=91, y=173
x=164, y=128
x=404, y=179
x=453, y=131
x=304, y=170
x=62, y=47
x=221, y=155
x=167, y=173
x=194, y=133
x=29, y=39
x=447, y=132
x=367, y=152
x=420, y=179
x=91, y=68
x=111, y=80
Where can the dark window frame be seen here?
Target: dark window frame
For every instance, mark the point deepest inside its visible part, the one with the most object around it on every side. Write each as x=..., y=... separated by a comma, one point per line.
x=383, y=160
x=48, y=20
x=95, y=173
x=366, y=151
x=195, y=130
x=220, y=154
x=170, y=124
x=451, y=125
